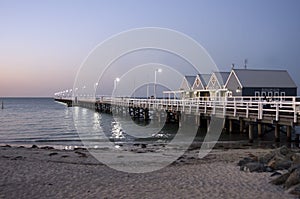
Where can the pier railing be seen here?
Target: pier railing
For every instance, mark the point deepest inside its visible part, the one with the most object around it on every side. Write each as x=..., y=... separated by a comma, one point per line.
x=287, y=108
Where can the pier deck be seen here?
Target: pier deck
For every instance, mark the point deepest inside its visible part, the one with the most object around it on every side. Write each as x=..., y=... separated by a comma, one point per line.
x=283, y=111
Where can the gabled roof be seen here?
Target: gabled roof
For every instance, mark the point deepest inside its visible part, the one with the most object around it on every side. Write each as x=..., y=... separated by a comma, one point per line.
x=222, y=77
x=204, y=78
x=264, y=78
x=187, y=82
x=190, y=80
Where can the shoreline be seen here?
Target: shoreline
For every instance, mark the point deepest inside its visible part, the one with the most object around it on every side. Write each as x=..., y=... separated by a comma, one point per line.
x=53, y=173
x=221, y=144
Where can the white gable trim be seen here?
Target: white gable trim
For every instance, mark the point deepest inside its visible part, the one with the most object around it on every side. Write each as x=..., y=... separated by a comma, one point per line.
x=184, y=83
x=211, y=77
x=233, y=73
x=197, y=77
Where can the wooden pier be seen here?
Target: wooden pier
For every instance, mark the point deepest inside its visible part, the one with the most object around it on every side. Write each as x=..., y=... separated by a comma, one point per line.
x=247, y=112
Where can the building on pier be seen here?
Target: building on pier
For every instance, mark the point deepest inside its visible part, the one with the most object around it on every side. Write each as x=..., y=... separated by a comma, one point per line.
x=200, y=85
x=187, y=86
x=238, y=83
x=216, y=84
x=260, y=83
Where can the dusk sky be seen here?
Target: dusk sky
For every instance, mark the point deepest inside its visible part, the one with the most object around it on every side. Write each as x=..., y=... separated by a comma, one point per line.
x=43, y=43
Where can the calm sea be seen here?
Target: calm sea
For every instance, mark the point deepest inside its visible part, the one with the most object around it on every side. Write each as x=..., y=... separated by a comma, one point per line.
x=42, y=121
x=45, y=122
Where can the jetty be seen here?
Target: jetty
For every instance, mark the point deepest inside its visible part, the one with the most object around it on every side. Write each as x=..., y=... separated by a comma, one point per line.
x=244, y=113
x=249, y=100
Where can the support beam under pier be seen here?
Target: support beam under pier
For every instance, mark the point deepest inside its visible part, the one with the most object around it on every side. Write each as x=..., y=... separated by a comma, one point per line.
x=297, y=139
x=230, y=126
x=208, y=122
x=197, y=120
x=277, y=132
x=251, y=133
x=259, y=129
x=288, y=133
x=241, y=125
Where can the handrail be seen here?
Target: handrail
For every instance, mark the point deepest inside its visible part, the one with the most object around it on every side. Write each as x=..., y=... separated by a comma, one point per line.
x=238, y=104
x=247, y=105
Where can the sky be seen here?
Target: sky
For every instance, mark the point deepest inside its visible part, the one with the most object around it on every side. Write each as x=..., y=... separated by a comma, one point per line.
x=43, y=43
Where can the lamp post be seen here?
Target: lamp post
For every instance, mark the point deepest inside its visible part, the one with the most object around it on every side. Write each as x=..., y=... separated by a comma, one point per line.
x=115, y=83
x=75, y=92
x=83, y=95
x=155, y=72
x=147, y=90
x=70, y=93
x=95, y=88
x=75, y=95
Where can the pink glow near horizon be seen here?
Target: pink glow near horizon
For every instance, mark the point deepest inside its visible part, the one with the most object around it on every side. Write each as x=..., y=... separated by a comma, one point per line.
x=44, y=43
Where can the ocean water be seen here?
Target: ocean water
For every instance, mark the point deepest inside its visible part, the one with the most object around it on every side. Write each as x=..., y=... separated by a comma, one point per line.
x=44, y=122
x=41, y=121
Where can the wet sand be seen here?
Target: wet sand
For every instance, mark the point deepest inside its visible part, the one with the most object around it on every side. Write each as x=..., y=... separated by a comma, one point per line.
x=52, y=173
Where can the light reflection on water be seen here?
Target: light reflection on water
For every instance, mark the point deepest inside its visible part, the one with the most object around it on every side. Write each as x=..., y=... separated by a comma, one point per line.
x=117, y=132
x=41, y=121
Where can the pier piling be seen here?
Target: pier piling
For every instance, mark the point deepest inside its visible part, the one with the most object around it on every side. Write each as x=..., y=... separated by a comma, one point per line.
x=230, y=126
x=241, y=126
x=251, y=133
x=259, y=129
x=297, y=139
x=208, y=122
x=277, y=132
x=288, y=133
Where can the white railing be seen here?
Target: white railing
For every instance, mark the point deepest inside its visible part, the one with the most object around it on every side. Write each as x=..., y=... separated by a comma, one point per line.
x=260, y=107
x=232, y=106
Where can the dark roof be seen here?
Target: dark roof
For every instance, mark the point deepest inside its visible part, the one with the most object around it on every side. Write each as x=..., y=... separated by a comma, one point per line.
x=204, y=78
x=265, y=78
x=190, y=79
x=222, y=77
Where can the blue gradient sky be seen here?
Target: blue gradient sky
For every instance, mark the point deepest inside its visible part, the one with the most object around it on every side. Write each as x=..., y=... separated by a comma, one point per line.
x=43, y=43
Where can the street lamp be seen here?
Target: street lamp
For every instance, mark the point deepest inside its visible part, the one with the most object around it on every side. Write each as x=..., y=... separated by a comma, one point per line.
x=70, y=93
x=95, y=85
x=75, y=95
x=95, y=89
x=115, y=83
x=156, y=70
x=74, y=92
x=83, y=91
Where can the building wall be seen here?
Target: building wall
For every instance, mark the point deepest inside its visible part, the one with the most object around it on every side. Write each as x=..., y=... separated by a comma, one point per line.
x=184, y=85
x=197, y=84
x=233, y=86
x=213, y=84
x=269, y=92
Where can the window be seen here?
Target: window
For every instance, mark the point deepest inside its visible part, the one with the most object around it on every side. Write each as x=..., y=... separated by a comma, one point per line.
x=213, y=80
x=282, y=94
x=263, y=94
x=197, y=82
x=276, y=94
x=270, y=94
x=257, y=95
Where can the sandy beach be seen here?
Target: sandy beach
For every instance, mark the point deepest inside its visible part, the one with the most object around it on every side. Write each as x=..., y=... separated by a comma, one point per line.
x=52, y=173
